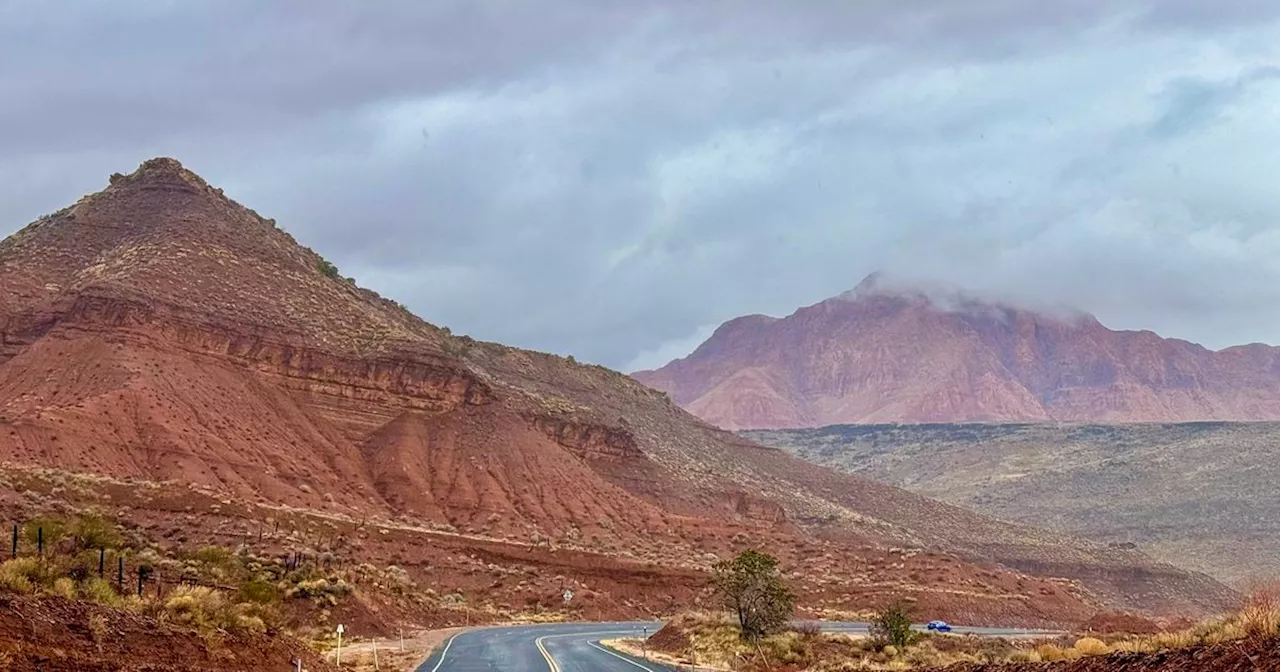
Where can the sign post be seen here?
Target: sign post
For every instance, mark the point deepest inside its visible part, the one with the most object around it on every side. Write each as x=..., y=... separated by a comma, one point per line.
x=644, y=643
x=338, y=659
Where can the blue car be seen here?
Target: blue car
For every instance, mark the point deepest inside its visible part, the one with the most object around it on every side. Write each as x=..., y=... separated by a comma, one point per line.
x=938, y=626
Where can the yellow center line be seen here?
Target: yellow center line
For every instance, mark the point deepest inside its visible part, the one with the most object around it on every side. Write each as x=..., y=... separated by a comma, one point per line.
x=551, y=662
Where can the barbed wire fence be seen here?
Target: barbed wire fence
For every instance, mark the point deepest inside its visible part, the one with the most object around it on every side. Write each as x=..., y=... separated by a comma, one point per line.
x=129, y=575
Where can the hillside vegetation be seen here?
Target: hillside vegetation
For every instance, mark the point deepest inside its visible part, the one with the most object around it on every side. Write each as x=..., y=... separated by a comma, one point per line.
x=1201, y=495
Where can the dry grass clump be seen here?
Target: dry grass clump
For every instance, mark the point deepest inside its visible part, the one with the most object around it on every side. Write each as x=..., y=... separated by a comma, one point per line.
x=1091, y=646
x=1052, y=653
x=1259, y=618
x=63, y=587
x=387, y=659
x=252, y=591
x=714, y=640
x=324, y=591
x=531, y=616
x=208, y=610
x=98, y=629
x=29, y=575
x=21, y=575
x=100, y=591
x=205, y=609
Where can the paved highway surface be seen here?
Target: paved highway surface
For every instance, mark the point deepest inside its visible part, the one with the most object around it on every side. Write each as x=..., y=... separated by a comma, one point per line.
x=575, y=647
x=560, y=647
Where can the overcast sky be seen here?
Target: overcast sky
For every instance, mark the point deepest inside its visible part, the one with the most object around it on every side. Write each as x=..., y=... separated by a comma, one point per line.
x=614, y=179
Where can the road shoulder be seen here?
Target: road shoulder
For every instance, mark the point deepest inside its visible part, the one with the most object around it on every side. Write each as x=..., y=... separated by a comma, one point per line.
x=633, y=648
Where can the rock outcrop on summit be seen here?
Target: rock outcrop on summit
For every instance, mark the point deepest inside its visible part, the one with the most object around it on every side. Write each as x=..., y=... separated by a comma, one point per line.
x=884, y=353
x=158, y=331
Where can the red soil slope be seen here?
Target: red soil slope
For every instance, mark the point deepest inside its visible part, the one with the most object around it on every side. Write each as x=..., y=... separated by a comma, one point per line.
x=882, y=354
x=157, y=330
x=1258, y=655
x=57, y=635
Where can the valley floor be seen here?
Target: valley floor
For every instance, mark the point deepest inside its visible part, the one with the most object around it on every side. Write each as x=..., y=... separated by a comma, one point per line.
x=1198, y=495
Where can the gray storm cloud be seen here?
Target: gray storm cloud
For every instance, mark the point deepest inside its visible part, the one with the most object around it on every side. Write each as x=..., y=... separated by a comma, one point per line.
x=612, y=182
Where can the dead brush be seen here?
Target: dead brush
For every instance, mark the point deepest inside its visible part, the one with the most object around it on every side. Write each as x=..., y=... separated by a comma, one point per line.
x=98, y=629
x=1260, y=616
x=807, y=629
x=1091, y=646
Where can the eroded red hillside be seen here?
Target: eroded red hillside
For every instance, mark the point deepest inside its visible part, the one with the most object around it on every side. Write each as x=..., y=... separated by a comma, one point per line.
x=880, y=354
x=159, y=331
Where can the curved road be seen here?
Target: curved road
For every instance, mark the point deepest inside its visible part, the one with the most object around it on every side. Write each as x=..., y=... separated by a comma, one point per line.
x=575, y=647
x=559, y=647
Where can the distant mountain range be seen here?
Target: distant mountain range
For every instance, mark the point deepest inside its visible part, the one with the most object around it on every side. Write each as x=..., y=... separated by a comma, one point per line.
x=888, y=352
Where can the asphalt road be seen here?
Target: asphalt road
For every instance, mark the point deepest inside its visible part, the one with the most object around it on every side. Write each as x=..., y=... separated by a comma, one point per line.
x=575, y=647
x=559, y=647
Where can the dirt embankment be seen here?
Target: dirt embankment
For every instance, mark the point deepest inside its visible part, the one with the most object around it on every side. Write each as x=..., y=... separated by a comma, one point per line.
x=1258, y=655
x=57, y=635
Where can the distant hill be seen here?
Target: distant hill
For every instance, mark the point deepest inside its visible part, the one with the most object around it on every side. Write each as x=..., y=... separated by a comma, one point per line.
x=1202, y=495
x=889, y=352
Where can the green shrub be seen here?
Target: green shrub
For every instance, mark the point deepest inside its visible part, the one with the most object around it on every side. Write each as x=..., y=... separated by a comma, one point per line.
x=21, y=575
x=751, y=587
x=81, y=566
x=196, y=606
x=892, y=627
x=324, y=592
x=214, y=555
x=99, y=591
x=259, y=592
x=53, y=529
x=327, y=269
x=94, y=532
x=208, y=610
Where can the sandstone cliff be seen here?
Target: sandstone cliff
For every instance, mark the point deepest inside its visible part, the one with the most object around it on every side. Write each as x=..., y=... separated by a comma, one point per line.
x=882, y=354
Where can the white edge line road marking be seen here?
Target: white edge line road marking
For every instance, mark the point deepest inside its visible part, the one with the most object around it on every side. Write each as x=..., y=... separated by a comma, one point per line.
x=555, y=667
x=444, y=653
x=619, y=657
